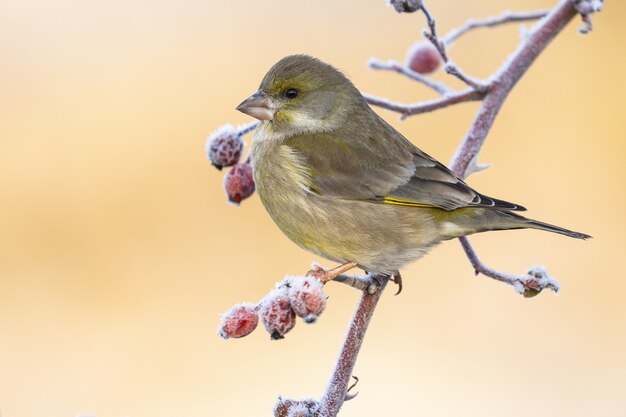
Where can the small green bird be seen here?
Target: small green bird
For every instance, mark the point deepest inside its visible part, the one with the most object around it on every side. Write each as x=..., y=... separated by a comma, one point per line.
x=342, y=183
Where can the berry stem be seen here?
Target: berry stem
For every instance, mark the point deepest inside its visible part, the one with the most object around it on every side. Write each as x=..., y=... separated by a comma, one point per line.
x=247, y=128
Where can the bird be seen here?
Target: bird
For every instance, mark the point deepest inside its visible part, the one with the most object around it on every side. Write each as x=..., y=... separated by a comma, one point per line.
x=342, y=183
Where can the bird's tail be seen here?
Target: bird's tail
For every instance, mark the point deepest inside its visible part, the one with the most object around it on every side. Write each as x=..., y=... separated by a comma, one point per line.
x=482, y=220
x=535, y=224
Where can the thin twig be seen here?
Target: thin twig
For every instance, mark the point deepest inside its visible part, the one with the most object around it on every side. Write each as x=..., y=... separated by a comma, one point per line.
x=506, y=17
x=426, y=106
x=376, y=64
x=247, y=128
x=451, y=67
x=431, y=34
x=531, y=284
x=478, y=85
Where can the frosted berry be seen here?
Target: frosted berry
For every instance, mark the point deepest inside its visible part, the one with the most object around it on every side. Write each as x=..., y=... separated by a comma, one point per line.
x=406, y=6
x=276, y=313
x=224, y=146
x=238, y=183
x=423, y=58
x=307, y=297
x=239, y=321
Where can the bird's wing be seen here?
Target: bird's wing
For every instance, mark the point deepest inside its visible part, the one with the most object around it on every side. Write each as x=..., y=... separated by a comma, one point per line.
x=383, y=167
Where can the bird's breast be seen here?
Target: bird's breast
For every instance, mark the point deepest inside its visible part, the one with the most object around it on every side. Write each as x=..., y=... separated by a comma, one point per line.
x=279, y=168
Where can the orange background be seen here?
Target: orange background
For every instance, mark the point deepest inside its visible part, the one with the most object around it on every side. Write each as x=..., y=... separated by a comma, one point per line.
x=118, y=250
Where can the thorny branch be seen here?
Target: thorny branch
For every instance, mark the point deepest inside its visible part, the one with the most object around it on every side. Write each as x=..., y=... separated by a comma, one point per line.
x=492, y=93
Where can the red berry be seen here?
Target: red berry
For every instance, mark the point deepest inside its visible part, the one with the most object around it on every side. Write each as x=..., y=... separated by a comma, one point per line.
x=238, y=183
x=276, y=313
x=423, y=58
x=239, y=321
x=307, y=297
x=224, y=146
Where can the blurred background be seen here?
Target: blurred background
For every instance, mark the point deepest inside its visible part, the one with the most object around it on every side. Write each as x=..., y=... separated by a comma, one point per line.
x=118, y=250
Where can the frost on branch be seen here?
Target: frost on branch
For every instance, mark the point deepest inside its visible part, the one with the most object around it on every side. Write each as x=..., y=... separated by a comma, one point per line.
x=529, y=285
x=536, y=280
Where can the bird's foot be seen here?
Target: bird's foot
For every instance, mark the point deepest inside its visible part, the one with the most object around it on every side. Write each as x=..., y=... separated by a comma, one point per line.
x=397, y=279
x=328, y=275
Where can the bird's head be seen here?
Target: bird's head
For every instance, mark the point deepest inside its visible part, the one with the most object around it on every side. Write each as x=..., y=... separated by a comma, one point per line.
x=301, y=94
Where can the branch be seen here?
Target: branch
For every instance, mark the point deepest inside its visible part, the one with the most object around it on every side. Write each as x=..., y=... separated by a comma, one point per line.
x=407, y=110
x=450, y=67
x=505, y=79
x=431, y=34
x=506, y=17
x=492, y=93
x=337, y=387
x=376, y=64
x=304, y=296
x=536, y=279
x=247, y=128
x=501, y=85
x=450, y=97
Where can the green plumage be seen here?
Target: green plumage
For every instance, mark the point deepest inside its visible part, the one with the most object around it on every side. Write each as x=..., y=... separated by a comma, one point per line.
x=341, y=182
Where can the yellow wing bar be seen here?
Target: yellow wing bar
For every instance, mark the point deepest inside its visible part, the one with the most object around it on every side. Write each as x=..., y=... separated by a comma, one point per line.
x=395, y=201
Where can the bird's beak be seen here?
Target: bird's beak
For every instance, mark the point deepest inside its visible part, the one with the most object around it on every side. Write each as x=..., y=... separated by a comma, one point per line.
x=259, y=106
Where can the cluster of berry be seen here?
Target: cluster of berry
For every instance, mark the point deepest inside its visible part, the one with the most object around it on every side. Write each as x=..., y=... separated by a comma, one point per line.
x=223, y=148
x=294, y=296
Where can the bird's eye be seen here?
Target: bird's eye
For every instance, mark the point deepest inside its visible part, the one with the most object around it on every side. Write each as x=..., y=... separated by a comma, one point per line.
x=291, y=93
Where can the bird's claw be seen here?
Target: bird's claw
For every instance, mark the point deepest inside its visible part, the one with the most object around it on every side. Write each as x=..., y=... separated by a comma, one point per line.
x=397, y=279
